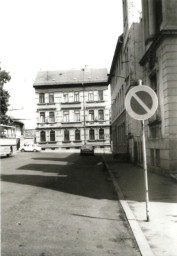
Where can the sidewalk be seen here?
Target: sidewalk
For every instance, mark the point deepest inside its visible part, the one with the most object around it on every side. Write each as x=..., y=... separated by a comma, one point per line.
x=160, y=234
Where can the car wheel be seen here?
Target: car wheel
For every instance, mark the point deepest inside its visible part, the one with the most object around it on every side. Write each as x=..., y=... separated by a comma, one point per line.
x=22, y=150
x=34, y=150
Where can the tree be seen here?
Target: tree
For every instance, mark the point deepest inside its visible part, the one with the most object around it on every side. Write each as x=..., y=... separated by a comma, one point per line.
x=4, y=96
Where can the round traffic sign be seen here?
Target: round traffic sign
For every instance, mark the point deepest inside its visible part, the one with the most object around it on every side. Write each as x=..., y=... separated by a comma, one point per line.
x=141, y=102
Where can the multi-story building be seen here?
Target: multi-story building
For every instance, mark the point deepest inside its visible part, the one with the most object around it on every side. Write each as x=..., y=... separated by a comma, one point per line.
x=159, y=62
x=72, y=109
x=124, y=74
x=147, y=51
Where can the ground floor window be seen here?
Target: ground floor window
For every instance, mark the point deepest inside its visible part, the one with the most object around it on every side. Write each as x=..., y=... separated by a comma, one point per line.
x=155, y=131
x=155, y=157
x=101, y=134
x=42, y=136
x=52, y=135
x=91, y=134
x=66, y=135
x=121, y=134
x=77, y=134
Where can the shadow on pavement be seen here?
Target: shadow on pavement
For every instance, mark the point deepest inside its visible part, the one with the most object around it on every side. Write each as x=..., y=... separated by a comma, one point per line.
x=73, y=174
x=131, y=181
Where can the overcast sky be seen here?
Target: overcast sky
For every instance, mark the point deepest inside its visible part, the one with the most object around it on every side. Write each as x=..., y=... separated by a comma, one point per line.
x=55, y=35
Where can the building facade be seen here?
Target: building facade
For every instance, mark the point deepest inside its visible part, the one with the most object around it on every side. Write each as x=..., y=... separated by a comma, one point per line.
x=147, y=51
x=159, y=62
x=124, y=74
x=72, y=109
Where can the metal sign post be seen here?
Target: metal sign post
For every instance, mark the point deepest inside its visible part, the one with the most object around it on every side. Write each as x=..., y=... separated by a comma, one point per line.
x=145, y=168
x=141, y=103
x=145, y=172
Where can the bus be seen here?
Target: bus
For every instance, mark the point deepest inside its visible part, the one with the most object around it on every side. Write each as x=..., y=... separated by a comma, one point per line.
x=8, y=141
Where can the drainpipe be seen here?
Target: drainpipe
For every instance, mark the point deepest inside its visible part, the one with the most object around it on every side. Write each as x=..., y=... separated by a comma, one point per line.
x=84, y=107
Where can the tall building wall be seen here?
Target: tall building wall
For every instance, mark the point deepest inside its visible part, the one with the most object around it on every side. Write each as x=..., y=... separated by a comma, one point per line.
x=125, y=73
x=169, y=12
x=159, y=62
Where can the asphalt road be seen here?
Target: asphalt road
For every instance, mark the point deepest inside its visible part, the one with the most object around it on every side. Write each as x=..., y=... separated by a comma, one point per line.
x=57, y=204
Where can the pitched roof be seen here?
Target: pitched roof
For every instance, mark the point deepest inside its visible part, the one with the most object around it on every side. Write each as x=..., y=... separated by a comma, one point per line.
x=72, y=76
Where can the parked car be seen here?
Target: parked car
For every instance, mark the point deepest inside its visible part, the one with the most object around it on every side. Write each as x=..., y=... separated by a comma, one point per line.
x=87, y=150
x=30, y=147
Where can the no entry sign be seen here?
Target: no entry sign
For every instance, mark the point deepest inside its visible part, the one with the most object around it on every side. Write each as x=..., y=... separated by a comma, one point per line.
x=141, y=102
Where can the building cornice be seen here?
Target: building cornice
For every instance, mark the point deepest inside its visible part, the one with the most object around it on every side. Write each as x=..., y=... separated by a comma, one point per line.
x=118, y=48
x=156, y=42
x=68, y=85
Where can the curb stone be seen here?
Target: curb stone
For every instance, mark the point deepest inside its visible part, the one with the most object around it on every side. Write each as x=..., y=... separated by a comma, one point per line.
x=142, y=243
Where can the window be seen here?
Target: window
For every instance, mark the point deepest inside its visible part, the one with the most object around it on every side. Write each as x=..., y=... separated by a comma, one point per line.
x=121, y=138
x=91, y=134
x=76, y=115
x=41, y=98
x=155, y=131
x=65, y=97
x=43, y=136
x=42, y=117
x=157, y=157
x=101, y=134
x=100, y=95
x=66, y=116
x=153, y=81
x=77, y=134
x=100, y=114
x=90, y=96
x=51, y=97
x=91, y=115
x=51, y=117
x=66, y=135
x=152, y=157
x=76, y=96
x=52, y=135
x=157, y=13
